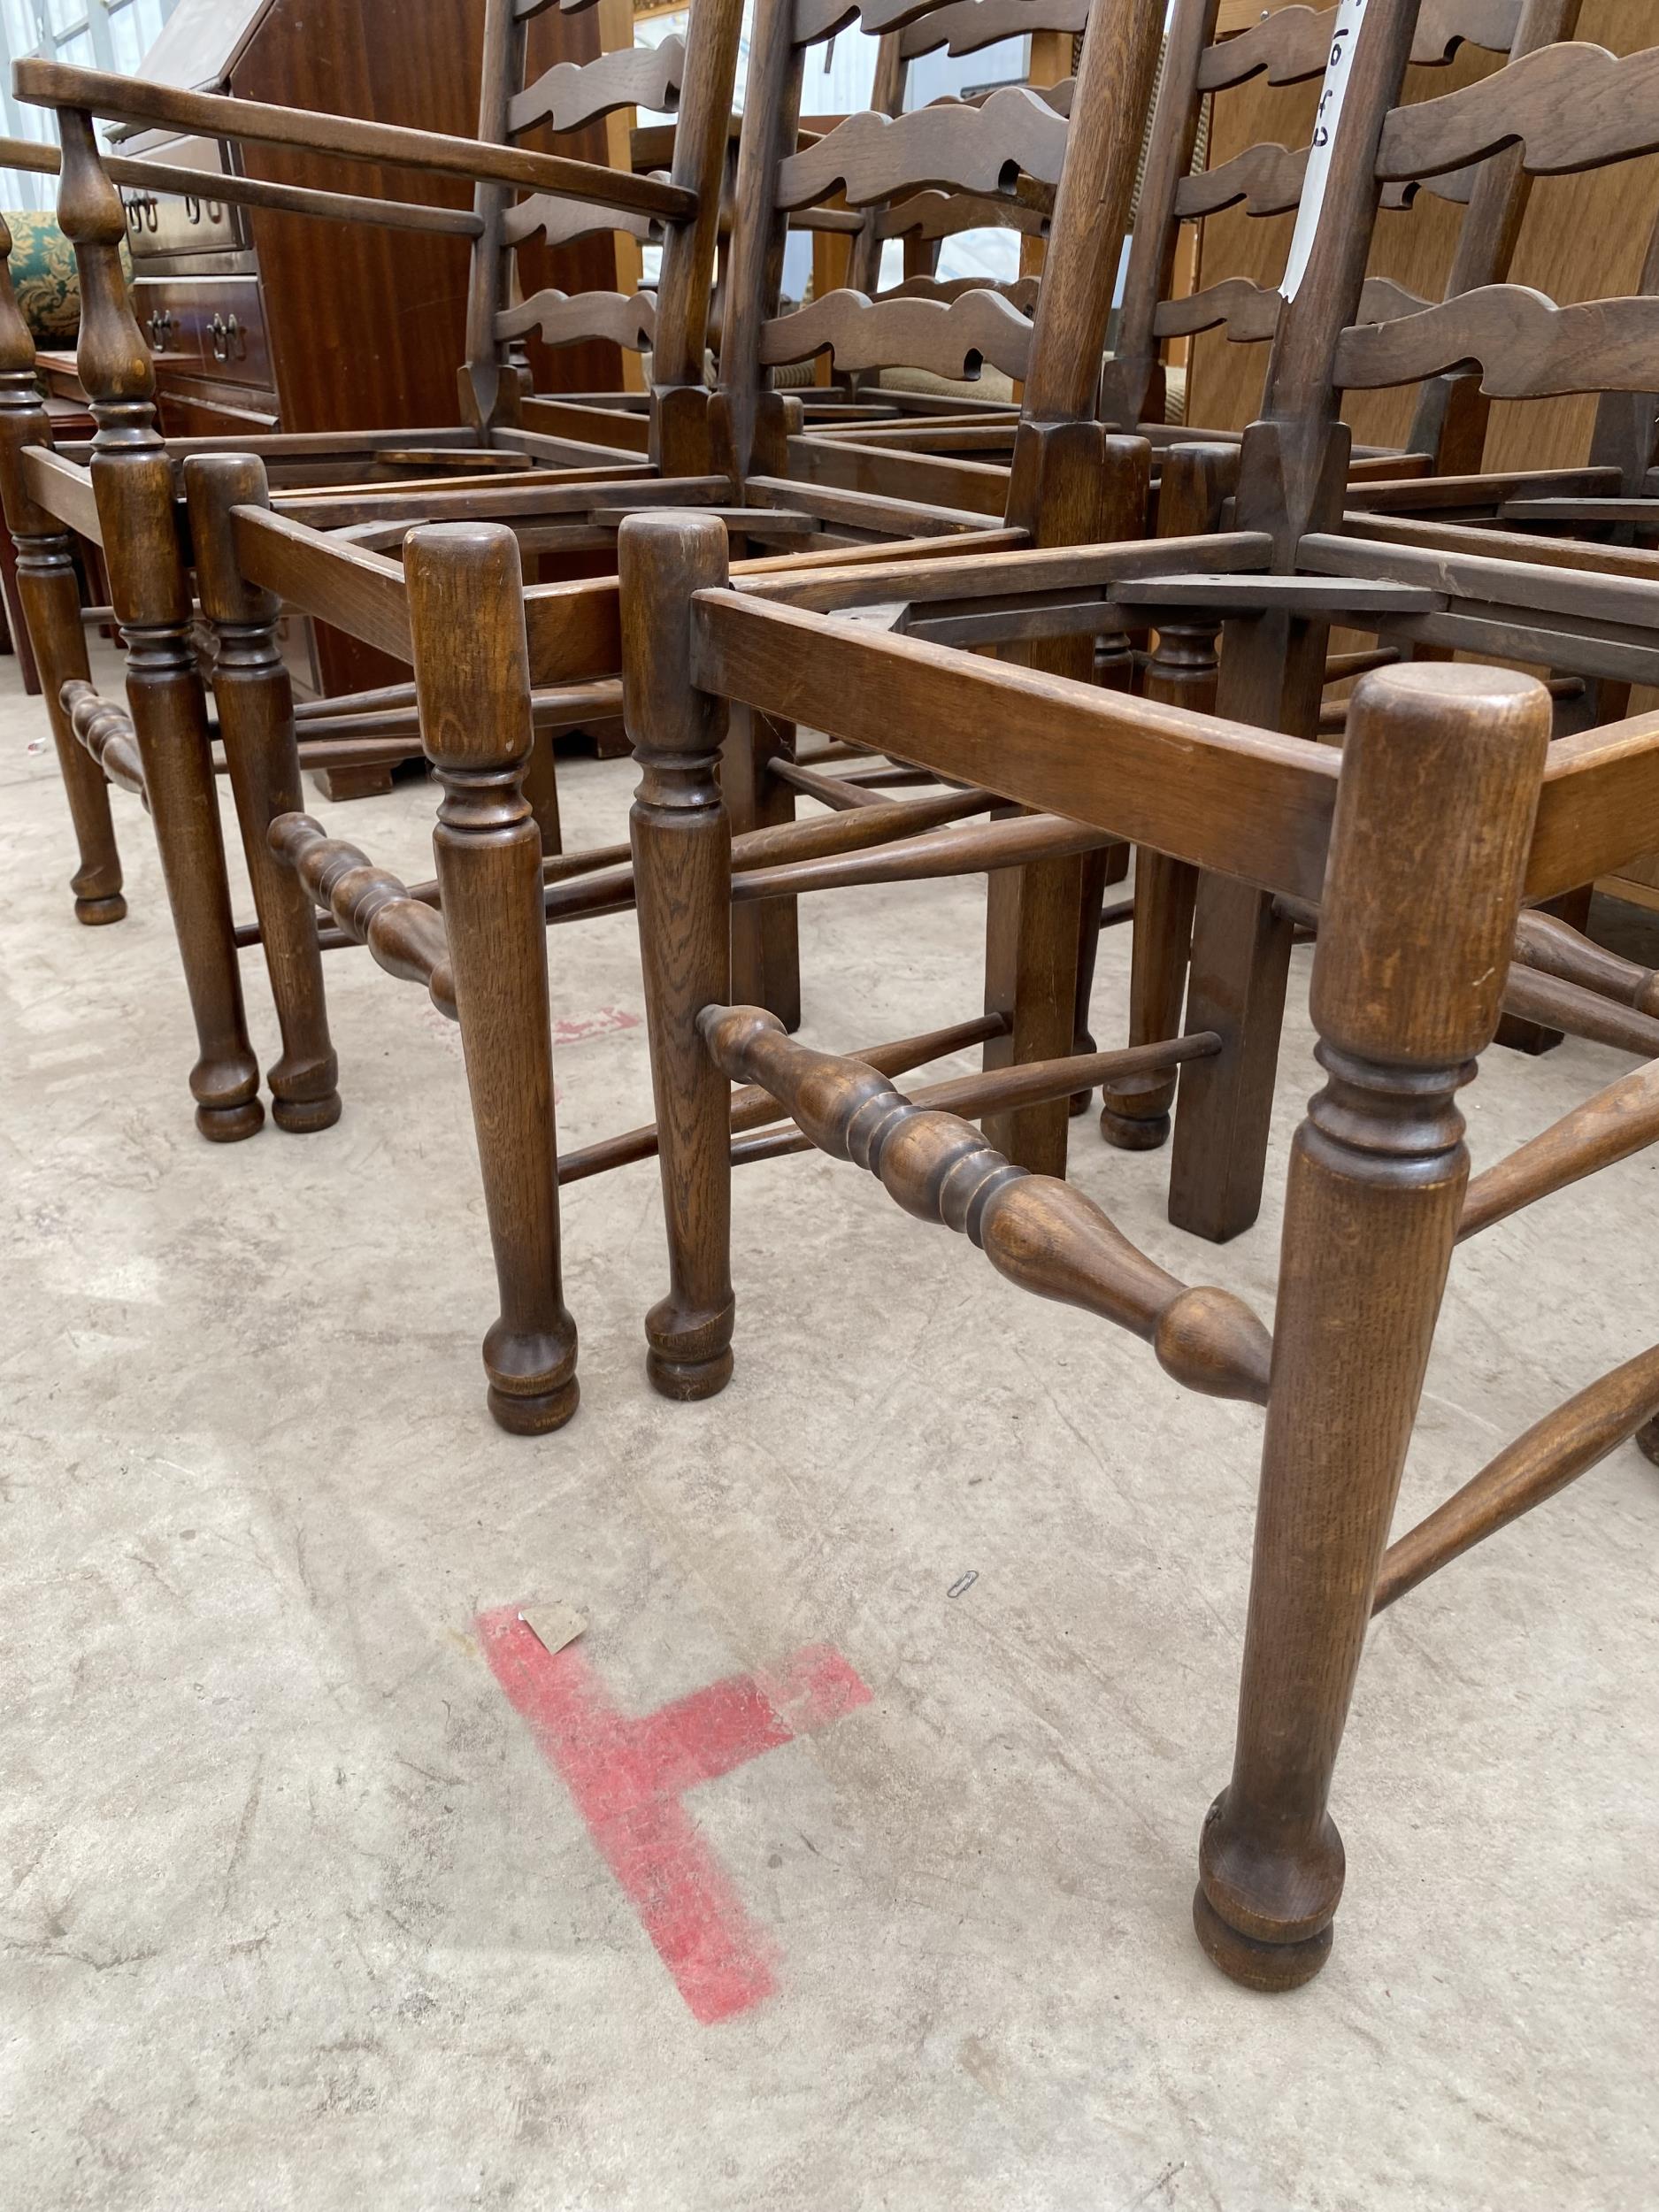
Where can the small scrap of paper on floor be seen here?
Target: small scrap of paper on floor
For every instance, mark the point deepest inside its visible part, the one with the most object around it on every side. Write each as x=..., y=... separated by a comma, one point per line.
x=552, y=1623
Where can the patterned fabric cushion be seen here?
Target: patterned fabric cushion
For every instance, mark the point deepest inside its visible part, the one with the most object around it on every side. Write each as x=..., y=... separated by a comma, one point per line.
x=43, y=278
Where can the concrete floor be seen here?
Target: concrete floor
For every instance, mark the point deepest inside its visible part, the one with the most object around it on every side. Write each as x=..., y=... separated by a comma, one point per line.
x=297, y=1913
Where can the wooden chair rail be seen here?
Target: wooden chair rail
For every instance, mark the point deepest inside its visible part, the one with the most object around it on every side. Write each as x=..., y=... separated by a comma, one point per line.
x=1240, y=800
x=129, y=100
x=573, y=492
x=778, y=845
x=1548, y=1000
x=1526, y=347
x=214, y=184
x=1293, y=44
x=365, y=593
x=570, y=318
x=1023, y=575
x=984, y=849
x=562, y=221
x=1000, y=1090
x=932, y=214
x=1267, y=178
x=63, y=489
x=1554, y=1452
x=106, y=731
x=816, y=19
x=1442, y=494
x=752, y=1108
x=405, y=936
x=1619, y=1121
x=1039, y=1231
x=1546, y=942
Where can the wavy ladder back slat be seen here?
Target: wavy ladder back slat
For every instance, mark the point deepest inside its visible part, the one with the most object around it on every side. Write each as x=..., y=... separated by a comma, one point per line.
x=925, y=172
x=1290, y=46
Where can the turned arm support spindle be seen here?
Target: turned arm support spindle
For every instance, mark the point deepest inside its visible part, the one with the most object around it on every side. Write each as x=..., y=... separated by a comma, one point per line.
x=106, y=731
x=1552, y=947
x=404, y=936
x=1040, y=1233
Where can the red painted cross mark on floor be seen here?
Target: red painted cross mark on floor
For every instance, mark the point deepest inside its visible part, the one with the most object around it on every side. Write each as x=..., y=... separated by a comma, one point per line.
x=629, y=1779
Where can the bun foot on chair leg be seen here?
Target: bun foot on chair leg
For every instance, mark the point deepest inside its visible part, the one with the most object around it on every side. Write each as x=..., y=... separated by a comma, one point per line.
x=228, y=1122
x=685, y=1360
x=98, y=913
x=1133, y=1132
x=533, y=1383
x=1268, y=1967
x=1265, y=1897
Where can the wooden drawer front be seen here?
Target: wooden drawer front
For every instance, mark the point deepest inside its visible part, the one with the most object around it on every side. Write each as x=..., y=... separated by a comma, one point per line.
x=191, y=409
x=217, y=326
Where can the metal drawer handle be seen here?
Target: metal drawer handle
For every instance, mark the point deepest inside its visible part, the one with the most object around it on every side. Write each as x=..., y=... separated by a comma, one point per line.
x=229, y=338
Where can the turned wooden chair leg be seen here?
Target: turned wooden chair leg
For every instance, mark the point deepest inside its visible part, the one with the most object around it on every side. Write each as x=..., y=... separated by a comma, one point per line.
x=1031, y=971
x=151, y=596
x=1071, y=483
x=1183, y=671
x=1434, y=813
x=49, y=601
x=132, y=482
x=472, y=684
x=50, y=591
x=1272, y=677
x=256, y=715
x=1107, y=865
x=1135, y=1111
x=541, y=791
x=765, y=933
x=682, y=865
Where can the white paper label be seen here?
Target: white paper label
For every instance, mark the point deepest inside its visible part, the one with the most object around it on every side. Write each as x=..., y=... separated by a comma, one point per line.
x=1338, y=71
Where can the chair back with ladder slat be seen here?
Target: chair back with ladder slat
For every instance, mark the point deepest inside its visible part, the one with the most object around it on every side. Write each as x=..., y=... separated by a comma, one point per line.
x=1009, y=151
x=1559, y=108
x=922, y=220
x=695, y=78
x=1289, y=47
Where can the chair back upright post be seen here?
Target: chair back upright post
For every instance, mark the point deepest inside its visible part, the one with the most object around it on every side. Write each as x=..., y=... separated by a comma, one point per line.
x=491, y=385
x=675, y=327
x=49, y=592
x=132, y=484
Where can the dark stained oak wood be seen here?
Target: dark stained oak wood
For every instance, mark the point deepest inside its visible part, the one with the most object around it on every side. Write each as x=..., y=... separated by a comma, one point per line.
x=51, y=598
x=129, y=100
x=256, y=716
x=131, y=483
x=1042, y=1233
x=1440, y=777
x=1555, y=1451
x=472, y=676
x=682, y=871
x=1568, y=106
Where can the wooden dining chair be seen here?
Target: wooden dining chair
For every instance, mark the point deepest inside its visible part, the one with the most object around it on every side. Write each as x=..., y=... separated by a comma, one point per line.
x=564, y=200
x=1418, y=847
x=1568, y=607
x=1061, y=488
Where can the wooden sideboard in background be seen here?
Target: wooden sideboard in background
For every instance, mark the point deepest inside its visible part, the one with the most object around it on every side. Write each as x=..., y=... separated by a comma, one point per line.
x=263, y=322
